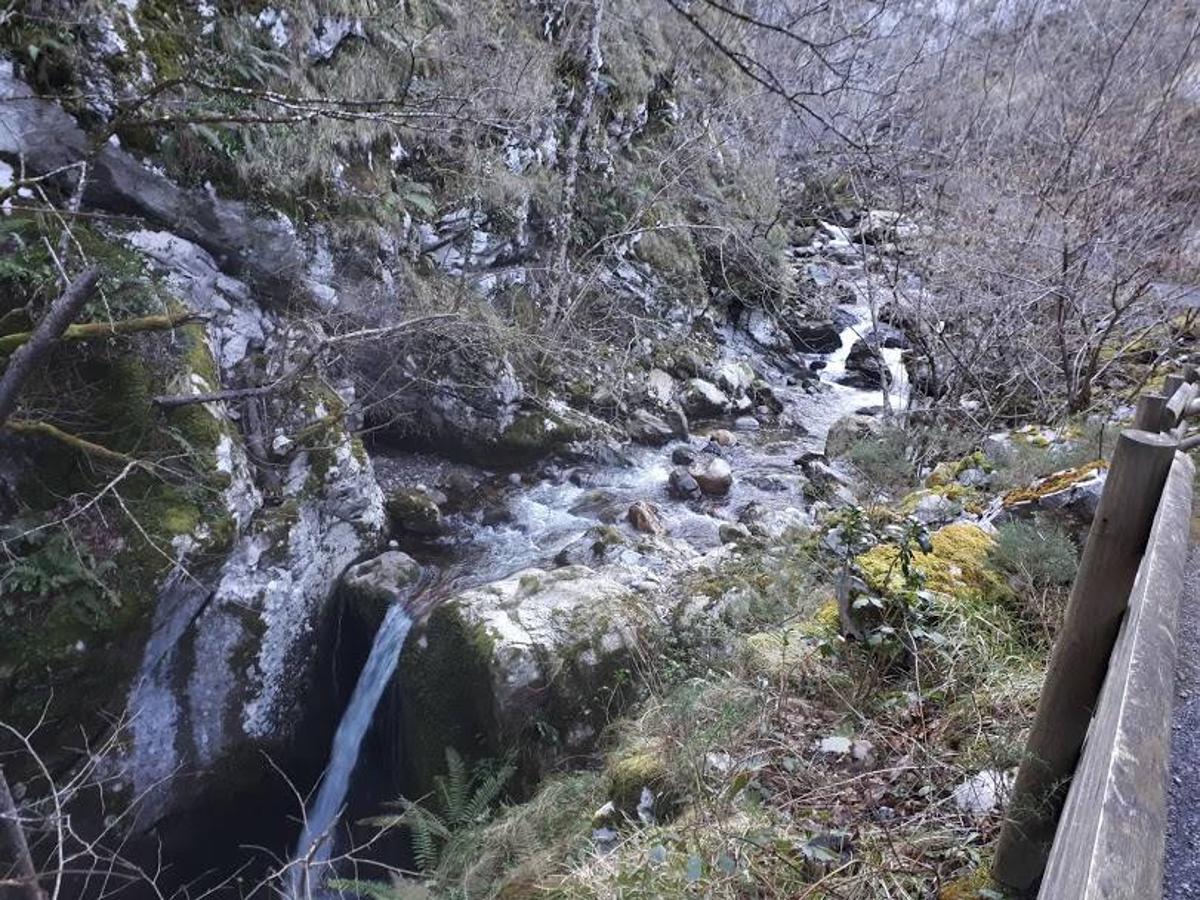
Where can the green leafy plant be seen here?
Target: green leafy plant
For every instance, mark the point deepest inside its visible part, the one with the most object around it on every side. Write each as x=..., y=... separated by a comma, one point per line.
x=464, y=797
x=1039, y=553
x=47, y=565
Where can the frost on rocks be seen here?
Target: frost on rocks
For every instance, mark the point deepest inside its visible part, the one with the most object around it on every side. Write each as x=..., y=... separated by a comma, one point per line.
x=275, y=23
x=984, y=792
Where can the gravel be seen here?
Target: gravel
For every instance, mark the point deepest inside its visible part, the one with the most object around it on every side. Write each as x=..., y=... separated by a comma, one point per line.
x=1181, y=880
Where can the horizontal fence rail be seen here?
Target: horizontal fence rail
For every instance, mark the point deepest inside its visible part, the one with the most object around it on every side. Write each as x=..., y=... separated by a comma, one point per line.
x=1087, y=817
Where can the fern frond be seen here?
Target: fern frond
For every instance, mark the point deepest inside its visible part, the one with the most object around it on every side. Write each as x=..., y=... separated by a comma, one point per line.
x=454, y=787
x=487, y=791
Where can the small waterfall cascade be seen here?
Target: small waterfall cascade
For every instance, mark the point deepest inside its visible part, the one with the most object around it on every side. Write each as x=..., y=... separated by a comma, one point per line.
x=314, y=848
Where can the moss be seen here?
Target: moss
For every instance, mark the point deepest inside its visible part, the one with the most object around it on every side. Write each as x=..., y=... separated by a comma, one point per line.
x=968, y=498
x=958, y=564
x=970, y=887
x=415, y=512
x=1051, y=484
x=779, y=652
x=631, y=770
x=535, y=434
x=445, y=678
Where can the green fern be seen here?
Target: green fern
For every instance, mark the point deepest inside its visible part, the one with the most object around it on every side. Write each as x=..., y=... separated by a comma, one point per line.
x=466, y=797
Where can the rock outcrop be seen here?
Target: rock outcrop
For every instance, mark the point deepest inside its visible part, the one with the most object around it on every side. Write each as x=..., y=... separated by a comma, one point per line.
x=533, y=656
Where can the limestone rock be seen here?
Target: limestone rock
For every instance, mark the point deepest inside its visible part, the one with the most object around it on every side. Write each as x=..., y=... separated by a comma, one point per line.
x=713, y=475
x=682, y=485
x=371, y=585
x=534, y=655
x=414, y=511
x=660, y=387
x=704, y=399
x=647, y=428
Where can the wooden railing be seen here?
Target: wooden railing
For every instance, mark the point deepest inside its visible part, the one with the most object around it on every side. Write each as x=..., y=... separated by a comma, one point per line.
x=1091, y=824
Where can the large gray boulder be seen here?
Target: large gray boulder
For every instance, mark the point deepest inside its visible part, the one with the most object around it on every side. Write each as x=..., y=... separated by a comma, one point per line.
x=534, y=657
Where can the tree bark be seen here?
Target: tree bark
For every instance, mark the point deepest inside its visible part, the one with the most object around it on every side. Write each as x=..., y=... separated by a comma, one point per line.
x=88, y=331
x=14, y=837
x=566, y=213
x=41, y=339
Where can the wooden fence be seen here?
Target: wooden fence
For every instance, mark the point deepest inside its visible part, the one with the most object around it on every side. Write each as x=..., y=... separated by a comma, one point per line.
x=1088, y=813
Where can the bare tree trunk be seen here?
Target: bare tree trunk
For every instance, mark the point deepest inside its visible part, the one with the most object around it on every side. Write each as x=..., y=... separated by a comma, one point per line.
x=54, y=323
x=566, y=215
x=14, y=837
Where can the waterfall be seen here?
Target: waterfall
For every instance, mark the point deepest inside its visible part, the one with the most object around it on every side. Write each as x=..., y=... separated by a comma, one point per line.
x=322, y=816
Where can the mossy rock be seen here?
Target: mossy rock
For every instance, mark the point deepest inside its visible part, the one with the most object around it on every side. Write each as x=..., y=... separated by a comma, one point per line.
x=631, y=770
x=1054, y=483
x=415, y=512
x=537, y=434
x=958, y=566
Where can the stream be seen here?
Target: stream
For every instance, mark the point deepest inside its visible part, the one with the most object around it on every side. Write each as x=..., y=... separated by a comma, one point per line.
x=534, y=519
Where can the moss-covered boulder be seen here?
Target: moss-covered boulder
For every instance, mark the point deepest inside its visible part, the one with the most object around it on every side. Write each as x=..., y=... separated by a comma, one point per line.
x=533, y=435
x=415, y=512
x=1074, y=493
x=536, y=663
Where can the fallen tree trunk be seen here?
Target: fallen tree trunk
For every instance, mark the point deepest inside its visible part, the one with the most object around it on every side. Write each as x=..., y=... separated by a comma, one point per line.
x=89, y=331
x=37, y=343
x=45, y=429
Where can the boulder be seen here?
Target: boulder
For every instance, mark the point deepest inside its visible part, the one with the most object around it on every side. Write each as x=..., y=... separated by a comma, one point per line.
x=865, y=368
x=644, y=517
x=723, y=437
x=848, y=431
x=46, y=138
x=645, y=427
x=370, y=586
x=765, y=330
x=415, y=512
x=814, y=337
x=704, y=399
x=733, y=376
x=677, y=419
x=660, y=387
x=682, y=485
x=1074, y=493
x=532, y=660
x=683, y=455
x=596, y=545
x=713, y=475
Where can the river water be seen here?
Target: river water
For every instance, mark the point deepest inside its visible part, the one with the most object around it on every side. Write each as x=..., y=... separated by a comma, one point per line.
x=536, y=518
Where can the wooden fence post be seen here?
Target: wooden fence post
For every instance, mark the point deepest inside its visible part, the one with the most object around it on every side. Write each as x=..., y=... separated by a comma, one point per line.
x=1151, y=413
x=1107, y=570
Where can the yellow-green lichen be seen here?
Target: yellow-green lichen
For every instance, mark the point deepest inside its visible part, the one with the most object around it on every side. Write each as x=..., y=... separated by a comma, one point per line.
x=1052, y=484
x=957, y=565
